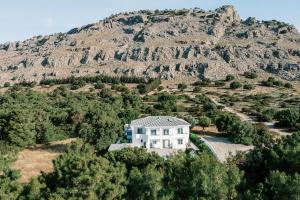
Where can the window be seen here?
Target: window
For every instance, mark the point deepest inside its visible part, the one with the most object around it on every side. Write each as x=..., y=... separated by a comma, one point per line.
x=180, y=141
x=154, y=141
x=180, y=130
x=153, y=132
x=140, y=131
x=166, y=131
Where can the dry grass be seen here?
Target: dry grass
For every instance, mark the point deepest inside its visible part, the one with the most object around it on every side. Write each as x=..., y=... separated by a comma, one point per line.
x=31, y=162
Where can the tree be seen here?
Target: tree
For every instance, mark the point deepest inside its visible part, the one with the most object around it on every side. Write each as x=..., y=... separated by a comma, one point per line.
x=235, y=85
x=225, y=121
x=81, y=174
x=166, y=102
x=200, y=177
x=145, y=183
x=287, y=118
x=141, y=88
x=280, y=186
x=20, y=128
x=10, y=188
x=101, y=128
x=204, y=122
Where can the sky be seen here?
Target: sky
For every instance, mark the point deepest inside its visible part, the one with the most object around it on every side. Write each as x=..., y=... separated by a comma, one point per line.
x=22, y=19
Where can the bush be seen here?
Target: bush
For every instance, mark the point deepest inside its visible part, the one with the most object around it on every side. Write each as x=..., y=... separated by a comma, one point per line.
x=288, y=85
x=204, y=82
x=249, y=87
x=287, y=118
x=230, y=77
x=6, y=84
x=250, y=75
x=220, y=83
x=182, y=86
x=152, y=85
x=160, y=88
x=266, y=115
x=99, y=85
x=199, y=143
x=235, y=85
x=197, y=89
x=271, y=82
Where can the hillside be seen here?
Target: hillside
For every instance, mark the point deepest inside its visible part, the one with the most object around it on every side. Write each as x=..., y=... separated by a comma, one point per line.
x=170, y=43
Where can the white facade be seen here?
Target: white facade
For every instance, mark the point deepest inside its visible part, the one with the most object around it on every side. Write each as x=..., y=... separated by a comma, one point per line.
x=160, y=132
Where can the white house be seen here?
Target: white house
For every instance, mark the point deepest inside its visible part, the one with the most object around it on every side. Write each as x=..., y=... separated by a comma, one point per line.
x=159, y=132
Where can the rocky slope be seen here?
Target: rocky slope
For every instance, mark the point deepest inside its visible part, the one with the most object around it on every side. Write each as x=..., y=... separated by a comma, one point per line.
x=170, y=44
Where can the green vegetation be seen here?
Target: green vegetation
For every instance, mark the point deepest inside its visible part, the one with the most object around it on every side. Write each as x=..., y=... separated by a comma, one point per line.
x=128, y=174
x=204, y=122
x=229, y=77
x=204, y=82
x=272, y=82
x=88, y=171
x=272, y=171
x=288, y=118
x=235, y=85
x=242, y=132
x=93, y=79
x=99, y=85
x=152, y=85
x=249, y=87
x=182, y=86
x=250, y=75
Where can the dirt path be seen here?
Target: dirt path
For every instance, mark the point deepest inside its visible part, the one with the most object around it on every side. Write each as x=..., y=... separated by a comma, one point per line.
x=244, y=117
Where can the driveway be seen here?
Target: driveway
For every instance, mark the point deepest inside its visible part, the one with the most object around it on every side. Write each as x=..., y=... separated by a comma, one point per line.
x=222, y=148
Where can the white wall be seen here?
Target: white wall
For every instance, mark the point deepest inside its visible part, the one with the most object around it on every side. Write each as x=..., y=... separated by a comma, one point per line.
x=160, y=137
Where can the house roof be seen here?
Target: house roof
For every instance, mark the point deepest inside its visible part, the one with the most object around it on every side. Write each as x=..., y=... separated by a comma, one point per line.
x=156, y=121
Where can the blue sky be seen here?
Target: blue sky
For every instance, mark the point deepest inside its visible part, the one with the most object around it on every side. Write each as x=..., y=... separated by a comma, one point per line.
x=21, y=19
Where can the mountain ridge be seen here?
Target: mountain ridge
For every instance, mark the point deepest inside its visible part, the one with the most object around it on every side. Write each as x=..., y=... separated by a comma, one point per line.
x=169, y=43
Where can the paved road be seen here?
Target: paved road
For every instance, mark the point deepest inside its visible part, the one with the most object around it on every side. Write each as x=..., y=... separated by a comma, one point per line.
x=244, y=117
x=222, y=148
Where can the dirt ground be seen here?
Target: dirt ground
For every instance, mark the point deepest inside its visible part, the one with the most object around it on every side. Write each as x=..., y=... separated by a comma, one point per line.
x=31, y=162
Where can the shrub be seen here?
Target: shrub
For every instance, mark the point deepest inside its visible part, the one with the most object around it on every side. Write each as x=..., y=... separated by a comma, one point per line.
x=152, y=85
x=160, y=88
x=6, y=84
x=250, y=75
x=204, y=82
x=287, y=118
x=99, y=85
x=220, y=83
x=230, y=77
x=249, y=87
x=266, y=115
x=271, y=82
x=235, y=85
x=182, y=86
x=197, y=89
x=288, y=85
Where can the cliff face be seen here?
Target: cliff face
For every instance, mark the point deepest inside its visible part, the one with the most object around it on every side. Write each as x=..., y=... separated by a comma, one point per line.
x=170, y=44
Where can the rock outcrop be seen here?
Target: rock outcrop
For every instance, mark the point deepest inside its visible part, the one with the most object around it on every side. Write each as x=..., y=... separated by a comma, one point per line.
x=169, y=43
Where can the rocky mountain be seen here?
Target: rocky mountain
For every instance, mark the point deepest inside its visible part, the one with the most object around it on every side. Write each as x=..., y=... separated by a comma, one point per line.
x=169, y=43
